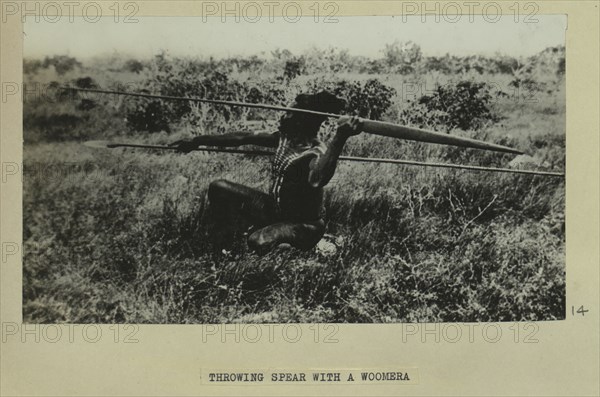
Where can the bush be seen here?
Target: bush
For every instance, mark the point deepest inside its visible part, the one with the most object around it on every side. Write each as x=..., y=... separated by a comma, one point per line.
x=31, y=66
x=151, y=116
x=293, y=69
x=62, y=63
x=134, y=66
x=369, y=99
x=85, y=82
x=401, y=57
x=465, y=105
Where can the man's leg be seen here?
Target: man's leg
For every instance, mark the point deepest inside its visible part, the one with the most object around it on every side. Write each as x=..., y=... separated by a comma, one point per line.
x=231, y=202
x=303, y=236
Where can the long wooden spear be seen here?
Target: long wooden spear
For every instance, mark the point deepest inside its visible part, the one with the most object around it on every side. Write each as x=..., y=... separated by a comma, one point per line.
x=369, y=126
x=112, y=145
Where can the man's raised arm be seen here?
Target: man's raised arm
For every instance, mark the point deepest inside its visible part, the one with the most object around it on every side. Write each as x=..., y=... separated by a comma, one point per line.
x=323, y=167
x=228, y=140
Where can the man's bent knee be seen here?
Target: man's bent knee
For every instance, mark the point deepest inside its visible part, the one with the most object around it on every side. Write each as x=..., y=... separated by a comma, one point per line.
x=217, y=187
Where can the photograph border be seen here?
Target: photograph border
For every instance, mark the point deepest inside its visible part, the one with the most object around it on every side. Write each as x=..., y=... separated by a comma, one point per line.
x=553, y=358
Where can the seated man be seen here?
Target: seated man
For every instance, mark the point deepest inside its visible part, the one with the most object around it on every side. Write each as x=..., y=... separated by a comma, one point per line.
x=292, y=212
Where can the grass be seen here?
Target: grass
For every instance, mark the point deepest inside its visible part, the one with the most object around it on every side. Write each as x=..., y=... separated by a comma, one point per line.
x=121, y=236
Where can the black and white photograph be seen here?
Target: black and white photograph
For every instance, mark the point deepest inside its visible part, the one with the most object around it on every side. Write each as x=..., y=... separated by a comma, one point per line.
x=368, y=169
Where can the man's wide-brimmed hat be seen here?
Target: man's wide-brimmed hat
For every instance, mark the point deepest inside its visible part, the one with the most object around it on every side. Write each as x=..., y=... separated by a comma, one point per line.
x=323, y=101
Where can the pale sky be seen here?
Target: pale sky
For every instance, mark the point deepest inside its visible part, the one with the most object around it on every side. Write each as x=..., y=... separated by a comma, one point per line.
x=190, y=36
